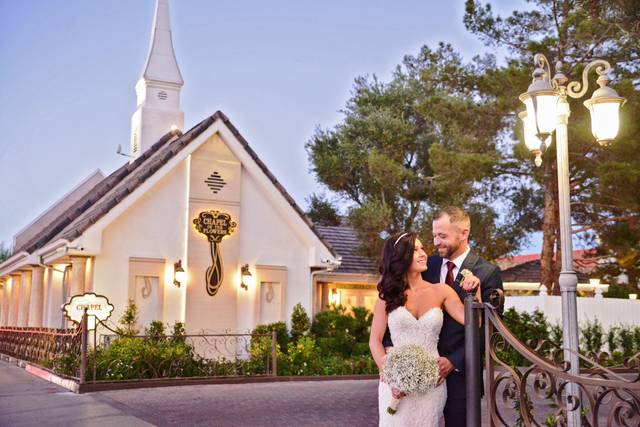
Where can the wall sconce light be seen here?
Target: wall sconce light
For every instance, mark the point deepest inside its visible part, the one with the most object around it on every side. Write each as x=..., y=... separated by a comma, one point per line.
x=179, y=275
x=245, y=275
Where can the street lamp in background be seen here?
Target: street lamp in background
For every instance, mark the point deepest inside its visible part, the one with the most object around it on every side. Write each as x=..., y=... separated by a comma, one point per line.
x=547, y=110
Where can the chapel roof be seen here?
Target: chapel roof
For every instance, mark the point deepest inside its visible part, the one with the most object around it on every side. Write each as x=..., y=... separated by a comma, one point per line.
x=123, y=181
x=345, y=242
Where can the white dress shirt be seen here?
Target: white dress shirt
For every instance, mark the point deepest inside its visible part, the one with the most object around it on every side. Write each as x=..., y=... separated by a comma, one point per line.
x=458, y=262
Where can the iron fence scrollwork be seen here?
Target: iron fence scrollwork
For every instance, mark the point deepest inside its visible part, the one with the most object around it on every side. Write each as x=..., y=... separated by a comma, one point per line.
x=117, y=356
x=539, y=394
x=55, y=349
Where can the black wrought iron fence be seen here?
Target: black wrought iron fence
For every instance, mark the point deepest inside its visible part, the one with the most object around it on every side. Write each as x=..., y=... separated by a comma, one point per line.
x=107, y=355
x=539, y=394
x=116, y=356
x=57, y=349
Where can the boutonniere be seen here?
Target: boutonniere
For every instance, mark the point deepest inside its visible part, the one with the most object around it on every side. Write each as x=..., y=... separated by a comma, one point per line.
x=465, y=274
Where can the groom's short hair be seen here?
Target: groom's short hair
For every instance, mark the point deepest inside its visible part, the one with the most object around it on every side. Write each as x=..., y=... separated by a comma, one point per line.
x=456, y=216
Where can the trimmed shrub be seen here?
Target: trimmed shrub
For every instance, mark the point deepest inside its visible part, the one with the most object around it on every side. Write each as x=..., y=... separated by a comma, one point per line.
x=592, y=335
x=128, y=320
x=282, y=335
x=155, y=331
x=300, y=323
x=302, y=357
x=338, y=332
x=139, y=358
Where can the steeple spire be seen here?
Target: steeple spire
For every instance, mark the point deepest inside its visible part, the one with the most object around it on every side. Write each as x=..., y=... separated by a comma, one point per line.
x=161, y=64
x=158, y=89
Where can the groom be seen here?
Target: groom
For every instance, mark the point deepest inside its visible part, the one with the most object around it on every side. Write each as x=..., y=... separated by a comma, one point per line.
x=451, y=228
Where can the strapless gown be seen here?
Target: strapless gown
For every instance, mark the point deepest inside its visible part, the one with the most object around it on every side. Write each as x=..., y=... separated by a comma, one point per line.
x=426, y=409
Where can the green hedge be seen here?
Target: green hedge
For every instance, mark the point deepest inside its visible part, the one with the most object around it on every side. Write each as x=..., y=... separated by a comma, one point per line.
x=334, y=343
x=337, y=343
x=609, y=347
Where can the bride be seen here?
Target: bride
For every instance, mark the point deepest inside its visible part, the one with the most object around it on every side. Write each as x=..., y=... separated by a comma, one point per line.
x=413, y=310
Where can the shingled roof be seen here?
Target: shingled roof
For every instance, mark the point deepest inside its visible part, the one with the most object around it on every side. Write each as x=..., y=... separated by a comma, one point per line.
x=529, y=272
x=344, y=240
x=117, y=186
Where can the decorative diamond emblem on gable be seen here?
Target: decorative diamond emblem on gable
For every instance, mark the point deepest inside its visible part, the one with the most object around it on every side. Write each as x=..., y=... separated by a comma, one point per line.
x=215, y=182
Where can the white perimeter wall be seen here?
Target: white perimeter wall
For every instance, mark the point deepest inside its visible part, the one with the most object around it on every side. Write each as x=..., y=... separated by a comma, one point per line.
x=608, y=311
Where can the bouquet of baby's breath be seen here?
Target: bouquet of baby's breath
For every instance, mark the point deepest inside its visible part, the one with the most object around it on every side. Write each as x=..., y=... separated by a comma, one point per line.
x=410, y=369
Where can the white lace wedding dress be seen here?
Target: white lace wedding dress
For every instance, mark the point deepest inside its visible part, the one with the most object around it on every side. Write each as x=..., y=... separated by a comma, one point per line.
x=423, y=410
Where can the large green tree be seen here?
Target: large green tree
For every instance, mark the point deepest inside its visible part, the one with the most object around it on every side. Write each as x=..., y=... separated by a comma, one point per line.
x=576, y=32
x=423, y=140
x=446, y=132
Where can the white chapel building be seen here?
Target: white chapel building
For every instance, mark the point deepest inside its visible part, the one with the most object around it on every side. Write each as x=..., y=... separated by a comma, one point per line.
x=194, y=228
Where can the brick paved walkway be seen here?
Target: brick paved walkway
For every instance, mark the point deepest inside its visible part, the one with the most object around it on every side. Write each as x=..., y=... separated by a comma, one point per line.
x=321, y=403
x=27, y=401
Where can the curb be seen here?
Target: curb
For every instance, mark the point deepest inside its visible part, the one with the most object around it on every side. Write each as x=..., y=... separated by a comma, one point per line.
x=74, y=386
x=177, y=382
x=43, y=373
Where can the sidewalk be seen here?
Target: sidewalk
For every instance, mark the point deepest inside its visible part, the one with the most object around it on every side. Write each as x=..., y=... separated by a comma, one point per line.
x=29, y=401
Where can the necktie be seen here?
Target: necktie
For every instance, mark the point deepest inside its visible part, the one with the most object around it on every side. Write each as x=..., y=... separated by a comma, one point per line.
x=450, y=279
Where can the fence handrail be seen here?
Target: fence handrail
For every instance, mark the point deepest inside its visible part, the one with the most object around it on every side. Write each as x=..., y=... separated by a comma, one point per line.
x=75, y=332
x=120, y=334
x=248, y=334
x=492, y=316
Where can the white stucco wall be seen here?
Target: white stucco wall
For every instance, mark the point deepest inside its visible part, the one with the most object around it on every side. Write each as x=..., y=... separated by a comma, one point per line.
x=265, y=236
x=153, y=227
x=268, y=239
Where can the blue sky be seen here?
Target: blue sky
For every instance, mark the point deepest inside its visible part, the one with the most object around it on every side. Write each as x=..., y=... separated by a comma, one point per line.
x=277, y=69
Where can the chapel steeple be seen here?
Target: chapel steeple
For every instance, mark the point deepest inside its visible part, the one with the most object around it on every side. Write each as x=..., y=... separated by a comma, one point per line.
x=158, y=89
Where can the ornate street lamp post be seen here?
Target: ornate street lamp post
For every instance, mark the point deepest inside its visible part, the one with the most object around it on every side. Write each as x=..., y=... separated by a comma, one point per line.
x=548, y=110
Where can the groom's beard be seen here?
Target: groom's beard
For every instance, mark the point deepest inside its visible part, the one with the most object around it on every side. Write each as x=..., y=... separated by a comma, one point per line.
x=447, y=251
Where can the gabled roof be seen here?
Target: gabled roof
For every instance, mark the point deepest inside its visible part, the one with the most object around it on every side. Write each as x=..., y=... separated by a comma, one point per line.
x=586, y=259
x=530, y=272
x=117, y=186
x=40, y=224
x=345, y=241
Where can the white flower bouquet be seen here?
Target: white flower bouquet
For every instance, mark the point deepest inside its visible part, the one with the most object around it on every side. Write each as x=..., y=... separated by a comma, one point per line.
x=410, y=369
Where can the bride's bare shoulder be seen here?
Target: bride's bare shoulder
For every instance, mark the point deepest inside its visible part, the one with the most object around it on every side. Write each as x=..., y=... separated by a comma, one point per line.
x=442, y=289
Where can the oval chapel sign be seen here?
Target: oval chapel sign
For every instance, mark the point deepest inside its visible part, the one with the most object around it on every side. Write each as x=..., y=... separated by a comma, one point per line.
x=96, y=305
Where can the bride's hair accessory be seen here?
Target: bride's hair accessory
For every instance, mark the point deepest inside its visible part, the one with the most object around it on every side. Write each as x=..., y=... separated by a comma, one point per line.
x=398, y=239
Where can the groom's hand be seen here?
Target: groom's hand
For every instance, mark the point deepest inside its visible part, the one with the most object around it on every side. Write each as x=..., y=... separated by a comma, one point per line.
x=445, y=367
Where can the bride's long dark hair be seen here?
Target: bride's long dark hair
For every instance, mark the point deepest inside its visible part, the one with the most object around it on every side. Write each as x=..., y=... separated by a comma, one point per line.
x=396, y=258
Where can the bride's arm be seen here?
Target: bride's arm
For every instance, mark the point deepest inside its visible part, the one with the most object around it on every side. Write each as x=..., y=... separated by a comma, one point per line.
x=378, y=326
x=453, y=305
